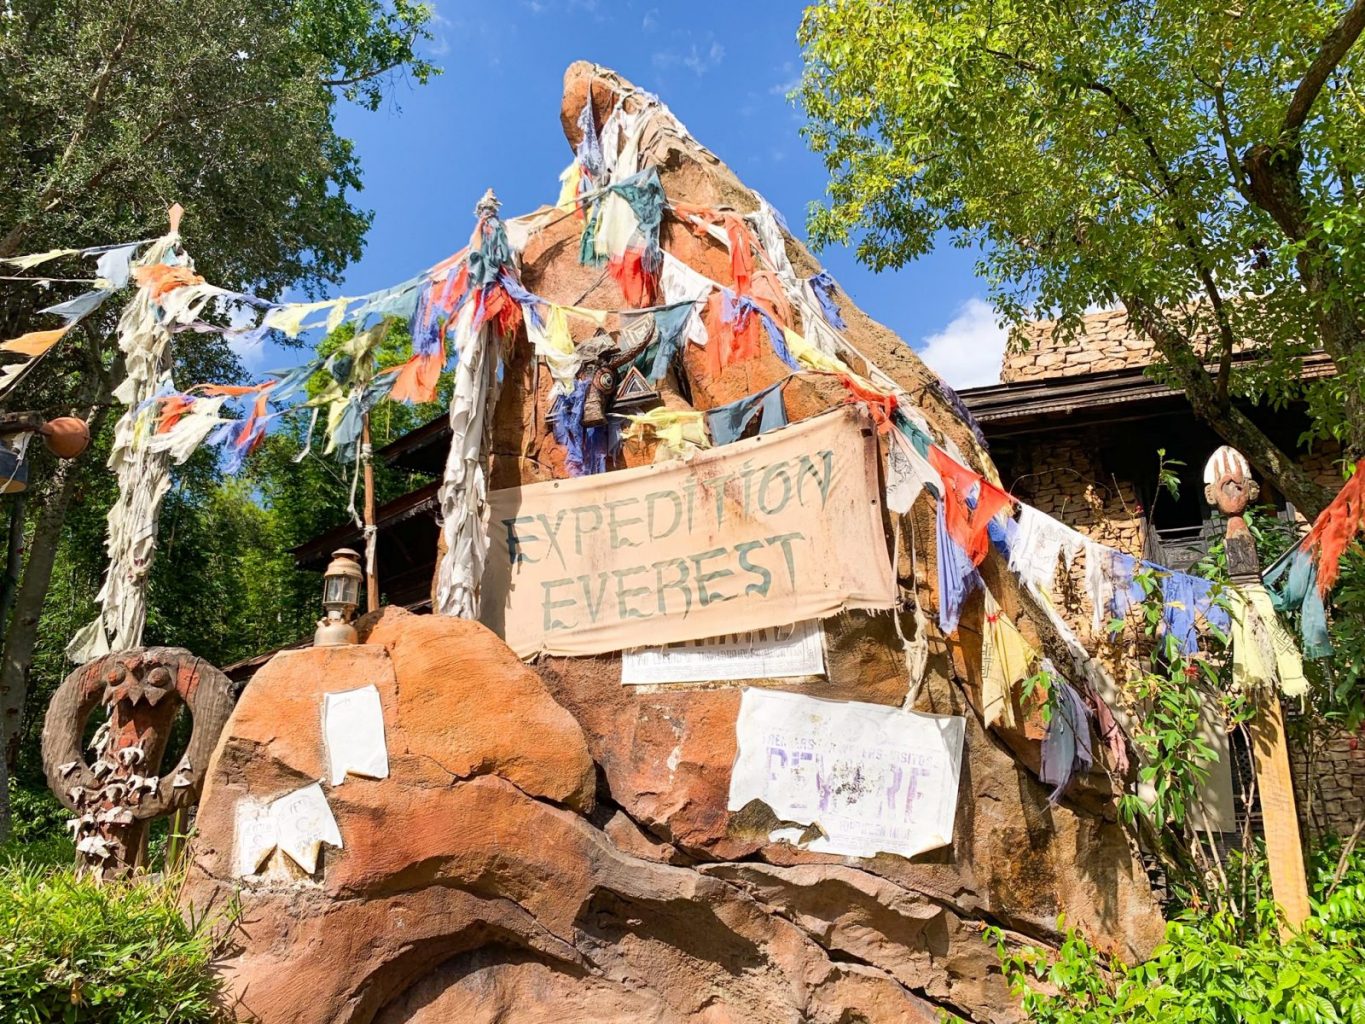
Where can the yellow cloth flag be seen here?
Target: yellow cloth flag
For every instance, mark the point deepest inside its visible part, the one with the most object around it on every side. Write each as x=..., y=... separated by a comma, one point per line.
x=35, y=343
x=289, y=319
x=33, y=259
x=568, y=190
x=681, y=432
x=1262, y=649
x=811, y=358
x=1005, y=660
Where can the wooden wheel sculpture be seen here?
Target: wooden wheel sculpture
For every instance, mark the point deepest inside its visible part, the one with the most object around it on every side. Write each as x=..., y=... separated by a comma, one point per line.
x=116, y=796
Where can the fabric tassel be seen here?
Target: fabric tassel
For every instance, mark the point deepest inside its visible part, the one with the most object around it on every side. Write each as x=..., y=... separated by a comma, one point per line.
x=1005, y=661
x=670, y=328
x=1184, y=596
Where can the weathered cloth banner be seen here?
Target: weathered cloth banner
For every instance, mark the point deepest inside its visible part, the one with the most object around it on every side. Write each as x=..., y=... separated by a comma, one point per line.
x=872, y=779
x=779, y=528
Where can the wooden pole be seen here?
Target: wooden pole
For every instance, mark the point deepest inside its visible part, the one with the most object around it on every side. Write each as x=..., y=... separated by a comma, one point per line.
x=1228, y=485
x=371, y=557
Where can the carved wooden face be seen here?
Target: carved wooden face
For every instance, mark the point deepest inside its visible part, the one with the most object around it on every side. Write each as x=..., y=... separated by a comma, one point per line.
x=1227, y=482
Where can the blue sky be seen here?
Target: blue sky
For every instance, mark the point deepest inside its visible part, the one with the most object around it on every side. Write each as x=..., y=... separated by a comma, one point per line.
x=492, y=119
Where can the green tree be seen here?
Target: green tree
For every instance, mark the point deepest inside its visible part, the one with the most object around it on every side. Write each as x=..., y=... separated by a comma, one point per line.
x=1198, y=162
x=109, y=113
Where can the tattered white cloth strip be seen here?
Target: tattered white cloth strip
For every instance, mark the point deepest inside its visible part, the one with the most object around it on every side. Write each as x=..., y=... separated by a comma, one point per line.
x=1041, y=541
x=143, y=473
x=680, y=283
x=464, y=489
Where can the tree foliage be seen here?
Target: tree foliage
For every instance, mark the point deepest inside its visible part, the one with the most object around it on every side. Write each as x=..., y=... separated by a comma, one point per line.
x=1198, y=162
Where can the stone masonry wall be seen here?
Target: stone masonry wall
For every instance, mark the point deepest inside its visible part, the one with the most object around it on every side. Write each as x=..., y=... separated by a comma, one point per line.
x=1109, y=342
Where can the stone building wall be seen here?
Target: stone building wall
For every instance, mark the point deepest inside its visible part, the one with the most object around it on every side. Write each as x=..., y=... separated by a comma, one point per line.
x=1329, y=782
x=1108, y=342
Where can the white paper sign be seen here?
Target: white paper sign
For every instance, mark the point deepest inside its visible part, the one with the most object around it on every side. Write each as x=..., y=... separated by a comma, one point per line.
x=775, y=653
x=297, y=823
x=353, y=731
x=874, y=779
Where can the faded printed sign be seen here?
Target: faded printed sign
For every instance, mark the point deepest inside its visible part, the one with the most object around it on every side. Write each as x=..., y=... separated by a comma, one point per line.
x=776, y=529
x=777, y=652
x=871, y=779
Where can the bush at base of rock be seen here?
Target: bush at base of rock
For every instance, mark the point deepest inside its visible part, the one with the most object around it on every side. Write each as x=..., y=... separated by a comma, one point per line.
x=1217, y=964
x=75, y=951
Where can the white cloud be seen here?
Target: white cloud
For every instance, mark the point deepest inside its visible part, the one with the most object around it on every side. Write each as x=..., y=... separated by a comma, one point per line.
x=651, y=20
x=697, y=59
x=791, y=78
x=968, y=352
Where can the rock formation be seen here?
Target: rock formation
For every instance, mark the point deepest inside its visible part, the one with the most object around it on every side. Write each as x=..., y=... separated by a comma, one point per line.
x=551, y=845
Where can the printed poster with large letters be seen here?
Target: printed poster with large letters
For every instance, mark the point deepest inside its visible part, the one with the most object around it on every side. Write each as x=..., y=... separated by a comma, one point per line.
x=775, y=529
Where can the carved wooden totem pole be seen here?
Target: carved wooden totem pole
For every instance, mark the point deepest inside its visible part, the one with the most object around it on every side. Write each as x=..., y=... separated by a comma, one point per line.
x=116, y=796
x=1229, y=487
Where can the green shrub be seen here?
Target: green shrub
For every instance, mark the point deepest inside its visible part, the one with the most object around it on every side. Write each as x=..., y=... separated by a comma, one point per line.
x=1214, y=967
x=38, y=832
x=75, y=951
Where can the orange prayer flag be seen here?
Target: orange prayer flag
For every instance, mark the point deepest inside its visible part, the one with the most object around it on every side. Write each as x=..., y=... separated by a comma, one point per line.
x=35, y=343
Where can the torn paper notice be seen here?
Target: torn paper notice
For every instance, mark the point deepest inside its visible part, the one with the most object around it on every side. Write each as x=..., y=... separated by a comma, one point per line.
x=297, y=824
x=778, y=652
x=872, y=779
x=353, y=731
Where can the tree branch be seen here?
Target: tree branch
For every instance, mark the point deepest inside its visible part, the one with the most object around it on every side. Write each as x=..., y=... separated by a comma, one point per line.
x=1335, y=46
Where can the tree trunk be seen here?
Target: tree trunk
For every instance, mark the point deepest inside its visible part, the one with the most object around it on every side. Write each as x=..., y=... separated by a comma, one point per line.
x=14, y=558
x=22, y=635
x=1230, y=423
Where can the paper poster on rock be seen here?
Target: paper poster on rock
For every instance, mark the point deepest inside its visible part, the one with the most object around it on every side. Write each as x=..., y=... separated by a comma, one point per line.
x=873, y=779
x=353, y=735
x=762, y=532
x=777, y=652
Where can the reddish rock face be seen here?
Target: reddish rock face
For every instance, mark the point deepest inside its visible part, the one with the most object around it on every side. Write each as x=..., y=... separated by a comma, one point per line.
x=552, y=845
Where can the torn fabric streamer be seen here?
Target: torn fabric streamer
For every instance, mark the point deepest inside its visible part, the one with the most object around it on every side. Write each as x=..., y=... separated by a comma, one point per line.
x=845, y=777
x=1005, y=662
x=1262, y=649
x=463, y=493
x=907, y=474
x=1293, y=586
x=729, y=423
x=1183, y=596
x=143, y=474
x=1066, y=743
x=970, y=502
x=680, y=433
x=1041, y=541
x=1334, y=528
x=957, y=575
x=680, y=283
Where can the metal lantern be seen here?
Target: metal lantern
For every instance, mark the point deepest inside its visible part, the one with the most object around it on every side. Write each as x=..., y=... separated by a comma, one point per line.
x=340, y=598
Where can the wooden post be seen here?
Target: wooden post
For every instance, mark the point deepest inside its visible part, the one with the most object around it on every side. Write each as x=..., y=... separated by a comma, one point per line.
x=1229, y=486
x=371, y=558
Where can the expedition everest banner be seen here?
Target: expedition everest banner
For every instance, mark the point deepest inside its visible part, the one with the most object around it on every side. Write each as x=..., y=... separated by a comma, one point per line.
x=764, y=532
